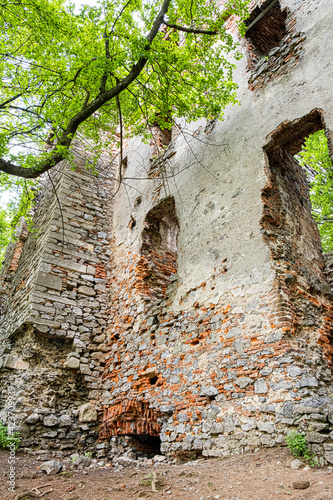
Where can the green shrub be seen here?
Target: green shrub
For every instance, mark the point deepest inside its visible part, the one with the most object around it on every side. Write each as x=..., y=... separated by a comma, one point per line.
x=6, y=440
x=298, y=447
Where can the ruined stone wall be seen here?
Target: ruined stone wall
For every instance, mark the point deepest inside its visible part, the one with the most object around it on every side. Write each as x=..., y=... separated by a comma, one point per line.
x=193, y=309
x=54, y=311
x=239, y=349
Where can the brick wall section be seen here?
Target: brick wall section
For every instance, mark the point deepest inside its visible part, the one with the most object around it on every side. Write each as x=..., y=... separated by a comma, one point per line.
x=158, y=260
x=268, y=31
x=272, y=46
x=218, y=374
x=232, y=376
x=128, y=418
x=227, y=377
x=292, y=234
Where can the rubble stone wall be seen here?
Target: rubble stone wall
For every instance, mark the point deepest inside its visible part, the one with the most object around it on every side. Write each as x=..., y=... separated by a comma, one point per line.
x=239, y=351
x=54, y=312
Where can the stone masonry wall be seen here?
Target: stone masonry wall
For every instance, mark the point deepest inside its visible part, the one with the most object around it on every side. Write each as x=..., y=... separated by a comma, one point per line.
x=54, y=349
x=239, y=351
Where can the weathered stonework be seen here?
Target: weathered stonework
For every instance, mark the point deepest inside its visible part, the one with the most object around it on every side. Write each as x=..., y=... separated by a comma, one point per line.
x=192, y=310
x=54, y=311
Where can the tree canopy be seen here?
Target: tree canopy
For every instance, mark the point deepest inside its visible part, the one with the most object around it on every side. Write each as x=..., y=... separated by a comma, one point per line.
x=141, y=61
x=314, y=157
x=63, y=72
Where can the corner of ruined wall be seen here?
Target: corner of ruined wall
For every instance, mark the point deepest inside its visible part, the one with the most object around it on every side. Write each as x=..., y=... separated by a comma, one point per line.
x=56, y=312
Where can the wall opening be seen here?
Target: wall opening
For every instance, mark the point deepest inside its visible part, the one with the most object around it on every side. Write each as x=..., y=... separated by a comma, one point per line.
x=303, y=273
x=145, y=444
x=161, y=131
x=136, y=422
x=288, y=222
x=272, y=44
x=158, y=263
x=161, y=137
x=266, y=27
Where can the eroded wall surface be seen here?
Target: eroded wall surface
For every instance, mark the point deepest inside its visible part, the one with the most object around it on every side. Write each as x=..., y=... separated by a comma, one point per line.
x=236, y=348
x=53, y=311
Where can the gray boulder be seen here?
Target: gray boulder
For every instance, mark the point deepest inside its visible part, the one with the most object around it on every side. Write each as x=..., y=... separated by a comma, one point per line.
x=51, y=467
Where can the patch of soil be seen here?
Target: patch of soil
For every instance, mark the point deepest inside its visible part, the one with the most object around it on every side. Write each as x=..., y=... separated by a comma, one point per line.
x=262, y=475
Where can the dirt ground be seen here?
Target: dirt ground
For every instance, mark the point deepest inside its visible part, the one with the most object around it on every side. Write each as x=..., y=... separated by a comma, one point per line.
x=260, y=476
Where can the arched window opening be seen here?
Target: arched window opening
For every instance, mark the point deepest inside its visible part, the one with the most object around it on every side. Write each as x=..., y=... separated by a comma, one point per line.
x=296, y=204
x=158, y=263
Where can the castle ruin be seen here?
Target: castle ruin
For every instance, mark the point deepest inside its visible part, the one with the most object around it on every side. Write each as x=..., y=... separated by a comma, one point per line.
x=187, y=311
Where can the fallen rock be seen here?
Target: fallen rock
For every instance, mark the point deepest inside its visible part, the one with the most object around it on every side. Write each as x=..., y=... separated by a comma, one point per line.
x=82, y=462
x=296, y=464
x=51, y=467
x=301, y=485
x=27, y=474
x=125, y=461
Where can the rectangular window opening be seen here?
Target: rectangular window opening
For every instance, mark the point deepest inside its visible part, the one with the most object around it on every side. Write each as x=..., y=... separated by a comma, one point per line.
x=266, y=27
x=297, y=221
x=315, y=159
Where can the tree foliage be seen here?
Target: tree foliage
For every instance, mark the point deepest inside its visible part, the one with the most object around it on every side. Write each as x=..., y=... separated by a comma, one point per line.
x=314, y=157
x=20, y=195
x=145, y=60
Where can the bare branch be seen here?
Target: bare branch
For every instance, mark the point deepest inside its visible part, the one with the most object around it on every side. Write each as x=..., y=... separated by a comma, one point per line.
x=120, y=13
x=190, y=30
x=4, y=104
x=65, y=140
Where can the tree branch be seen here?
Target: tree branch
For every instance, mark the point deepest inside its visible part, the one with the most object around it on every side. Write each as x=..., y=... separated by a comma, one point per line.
x=120, y=13
x=190, y=30
x=4, y=104
x=66, y=138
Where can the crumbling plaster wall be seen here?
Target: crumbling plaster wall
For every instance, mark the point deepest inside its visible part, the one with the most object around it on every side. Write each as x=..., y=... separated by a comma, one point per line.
x=234, y=365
